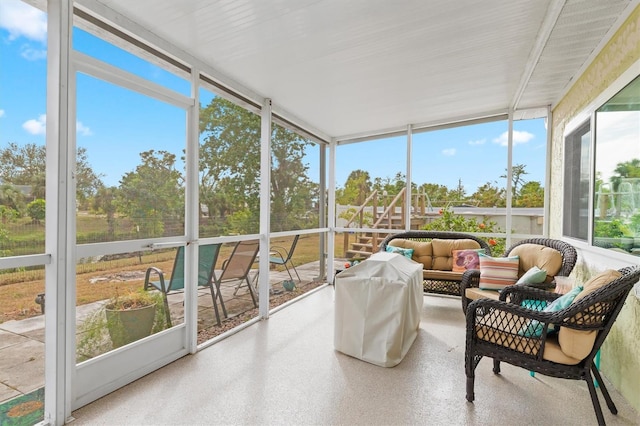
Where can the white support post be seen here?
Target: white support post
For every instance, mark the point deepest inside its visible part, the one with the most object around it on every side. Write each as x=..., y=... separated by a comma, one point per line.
x=508, y=219
x=407, y=195
x=322, y=202
x=547, y=177
x=60, y=217
x=265, y=208
x=331, y=213
x=192, y=215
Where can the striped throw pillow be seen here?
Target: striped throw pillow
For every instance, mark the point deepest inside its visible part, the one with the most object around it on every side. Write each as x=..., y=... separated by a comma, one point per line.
x=498, y=272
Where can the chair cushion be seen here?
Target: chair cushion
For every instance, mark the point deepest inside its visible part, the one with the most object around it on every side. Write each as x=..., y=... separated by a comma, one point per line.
x=497, y=272
x=422, y=251
x=538, y=255
x=598, y=281
x=552, y=350
x=443, y=251
x=579, y=343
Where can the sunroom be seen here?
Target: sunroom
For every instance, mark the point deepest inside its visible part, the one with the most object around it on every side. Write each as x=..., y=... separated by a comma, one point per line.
x=177, y=134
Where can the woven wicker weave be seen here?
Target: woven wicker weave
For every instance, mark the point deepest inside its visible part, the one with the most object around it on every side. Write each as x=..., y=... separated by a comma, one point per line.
x=494, y=330
x=437, y=286
x=569, y=257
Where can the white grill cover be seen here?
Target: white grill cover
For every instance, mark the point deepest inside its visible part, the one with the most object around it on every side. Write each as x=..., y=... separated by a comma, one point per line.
x=377, y=309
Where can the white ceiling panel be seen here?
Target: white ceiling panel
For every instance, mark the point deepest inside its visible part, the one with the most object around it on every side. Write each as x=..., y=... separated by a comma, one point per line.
x=359, y=66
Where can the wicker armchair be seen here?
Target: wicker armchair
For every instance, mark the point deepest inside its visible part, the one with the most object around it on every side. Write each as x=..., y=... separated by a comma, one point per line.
x=495, y=330
x=471, y=278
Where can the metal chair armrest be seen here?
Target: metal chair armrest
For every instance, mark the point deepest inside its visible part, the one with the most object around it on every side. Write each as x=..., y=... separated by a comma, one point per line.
x=160, y=274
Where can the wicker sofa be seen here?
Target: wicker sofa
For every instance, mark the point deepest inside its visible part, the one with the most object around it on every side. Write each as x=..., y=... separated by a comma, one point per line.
x=434, y=250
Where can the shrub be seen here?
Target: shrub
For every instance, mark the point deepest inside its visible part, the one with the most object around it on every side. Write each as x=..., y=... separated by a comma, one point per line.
x=449, y=221
x=36, y=210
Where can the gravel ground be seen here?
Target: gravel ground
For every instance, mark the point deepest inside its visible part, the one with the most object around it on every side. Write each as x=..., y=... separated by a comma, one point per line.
x=276, y=300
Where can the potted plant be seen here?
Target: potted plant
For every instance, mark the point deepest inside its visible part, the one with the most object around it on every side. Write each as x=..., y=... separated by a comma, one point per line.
x=130, y=317
x=123, y=319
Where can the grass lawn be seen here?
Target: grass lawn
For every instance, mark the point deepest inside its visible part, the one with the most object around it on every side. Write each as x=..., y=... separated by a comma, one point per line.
x=99, y=280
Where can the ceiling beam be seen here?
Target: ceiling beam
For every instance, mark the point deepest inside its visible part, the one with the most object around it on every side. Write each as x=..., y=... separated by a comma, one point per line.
x=548, y=24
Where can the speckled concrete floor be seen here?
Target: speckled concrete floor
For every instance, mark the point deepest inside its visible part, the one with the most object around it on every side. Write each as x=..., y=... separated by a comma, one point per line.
x=286, y=371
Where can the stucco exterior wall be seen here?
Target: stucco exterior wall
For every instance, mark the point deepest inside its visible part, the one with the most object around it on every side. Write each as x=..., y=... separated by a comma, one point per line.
x=620, y=355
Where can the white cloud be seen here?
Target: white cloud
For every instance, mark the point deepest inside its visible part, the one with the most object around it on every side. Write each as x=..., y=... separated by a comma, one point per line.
x=1, y=113
x=478, y=142
x=449, y=152
x=36, y=126
x=518, y=138
x=23, y=20
x=32, y=54
x=83, y=130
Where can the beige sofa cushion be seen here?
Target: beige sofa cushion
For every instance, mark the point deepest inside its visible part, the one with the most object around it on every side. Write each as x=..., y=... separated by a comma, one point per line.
x=543, y=257
x=443, y=249
x=578, y=343
x=422, y=251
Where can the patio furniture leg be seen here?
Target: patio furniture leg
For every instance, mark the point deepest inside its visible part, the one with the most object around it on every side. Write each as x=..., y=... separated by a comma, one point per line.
x=215, y=306
x=219, y=296
x=470, y=383
x=594, y=400
x=603, y=388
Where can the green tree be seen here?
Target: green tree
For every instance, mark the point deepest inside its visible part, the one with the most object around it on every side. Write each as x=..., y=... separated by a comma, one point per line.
x=628, y=169
x=36, y=210
x=489, y=195
x=438, y=194
x=105, y=202
x=517, y=181
x=531, y=195
x=230, y=160
x=4, y=236
x=392, y=185
x=87, y=181
x=153, y=194
x=25, y=165
x=11, y=197
x=7, y=214
x=230, y=170
x=356, y=189
x=292, y=192
x=459, y=194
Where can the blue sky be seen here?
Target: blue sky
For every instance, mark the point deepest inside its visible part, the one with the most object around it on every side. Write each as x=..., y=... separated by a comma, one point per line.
x=115, y=124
